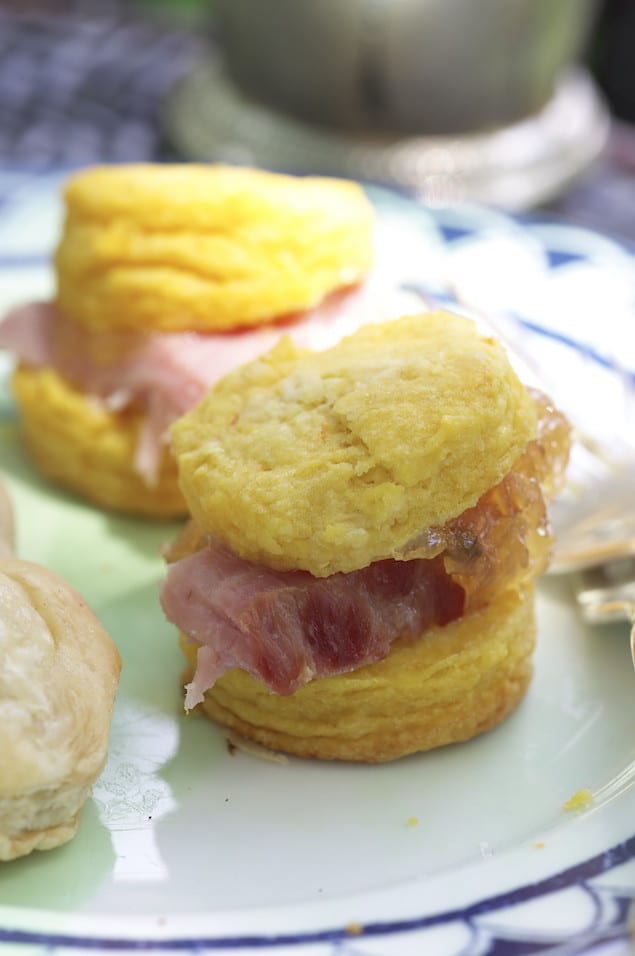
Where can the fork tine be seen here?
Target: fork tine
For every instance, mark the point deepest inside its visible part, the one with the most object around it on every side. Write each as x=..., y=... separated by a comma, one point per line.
x=606, y=594
x=603, y=601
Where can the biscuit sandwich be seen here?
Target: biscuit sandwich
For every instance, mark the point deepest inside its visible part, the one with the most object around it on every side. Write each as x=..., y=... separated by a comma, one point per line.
x=166, y=277
x=367, y=526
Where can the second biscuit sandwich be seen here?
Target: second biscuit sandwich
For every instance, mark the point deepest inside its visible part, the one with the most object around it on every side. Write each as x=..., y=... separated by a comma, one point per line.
x=368, y=525
x=166, y=278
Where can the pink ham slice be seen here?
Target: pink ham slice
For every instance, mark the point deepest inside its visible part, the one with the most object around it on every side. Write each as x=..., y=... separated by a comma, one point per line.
x=288, y=628
x=165, y=374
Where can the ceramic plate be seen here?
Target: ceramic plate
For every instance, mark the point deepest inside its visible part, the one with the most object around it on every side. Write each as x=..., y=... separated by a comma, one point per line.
x=188, y=845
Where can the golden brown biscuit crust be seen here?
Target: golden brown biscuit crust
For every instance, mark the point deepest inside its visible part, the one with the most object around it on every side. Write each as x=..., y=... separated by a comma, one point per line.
x=329, y=461
x=186, y=247
x=90, y=450
x=451, y=684
x=57, y=688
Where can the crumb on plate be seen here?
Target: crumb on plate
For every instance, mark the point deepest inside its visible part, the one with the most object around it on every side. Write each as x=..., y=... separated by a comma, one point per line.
x=579, y=801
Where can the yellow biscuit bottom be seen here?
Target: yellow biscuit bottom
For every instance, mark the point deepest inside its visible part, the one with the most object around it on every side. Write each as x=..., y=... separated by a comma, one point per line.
x=83, y=447
x=451, y=684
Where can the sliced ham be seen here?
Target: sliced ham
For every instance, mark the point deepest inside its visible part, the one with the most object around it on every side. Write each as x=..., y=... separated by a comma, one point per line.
x=287, y=628
x=165, y=374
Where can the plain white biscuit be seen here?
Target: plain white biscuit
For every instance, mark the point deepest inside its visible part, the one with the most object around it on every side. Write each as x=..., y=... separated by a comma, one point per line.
x=58, y=679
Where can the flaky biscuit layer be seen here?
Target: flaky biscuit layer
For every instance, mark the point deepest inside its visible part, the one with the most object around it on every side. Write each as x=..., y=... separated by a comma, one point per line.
x=88, y=449
x=451, y=684
x=329, y=461
x=187, y=247
x=58, y=680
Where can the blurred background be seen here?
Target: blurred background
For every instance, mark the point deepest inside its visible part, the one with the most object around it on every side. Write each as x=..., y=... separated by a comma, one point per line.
x=523, y=104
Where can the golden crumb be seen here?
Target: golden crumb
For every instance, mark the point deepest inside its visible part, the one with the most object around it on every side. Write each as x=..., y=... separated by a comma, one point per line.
x=354, y=929
x=413, y=821
x=579, y=801
x=539, y=845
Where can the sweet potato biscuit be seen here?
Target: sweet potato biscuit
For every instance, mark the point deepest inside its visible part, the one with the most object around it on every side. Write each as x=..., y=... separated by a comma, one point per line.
x=188, y=247
x=449, y=685
x=329, y=461
x=89, y=449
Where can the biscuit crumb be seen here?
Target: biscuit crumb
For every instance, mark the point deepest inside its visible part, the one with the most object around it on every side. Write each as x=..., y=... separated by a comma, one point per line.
x=580, y=800
x=354, y=929
x=539, y=845
x=413, y=821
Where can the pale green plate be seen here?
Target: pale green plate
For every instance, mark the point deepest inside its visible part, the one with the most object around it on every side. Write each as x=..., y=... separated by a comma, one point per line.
x=186, y=846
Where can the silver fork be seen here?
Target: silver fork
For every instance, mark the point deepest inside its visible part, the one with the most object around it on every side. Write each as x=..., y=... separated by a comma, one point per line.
x=594, y=516
x=606, y=592
x=594, y=527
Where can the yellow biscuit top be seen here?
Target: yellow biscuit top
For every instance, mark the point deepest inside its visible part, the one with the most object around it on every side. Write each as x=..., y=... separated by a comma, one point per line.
x=189, y=247
x=328, y=461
